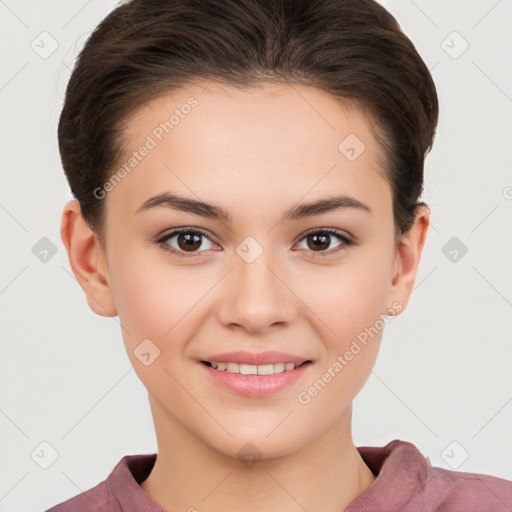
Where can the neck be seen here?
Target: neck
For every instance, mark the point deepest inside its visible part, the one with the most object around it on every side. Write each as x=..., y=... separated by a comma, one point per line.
x=327, y=475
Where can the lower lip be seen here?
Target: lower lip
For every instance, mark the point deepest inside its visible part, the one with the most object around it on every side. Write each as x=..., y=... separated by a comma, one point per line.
x=256, y=385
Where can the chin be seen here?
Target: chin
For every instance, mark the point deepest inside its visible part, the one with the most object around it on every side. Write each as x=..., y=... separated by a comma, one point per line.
x=250, y=447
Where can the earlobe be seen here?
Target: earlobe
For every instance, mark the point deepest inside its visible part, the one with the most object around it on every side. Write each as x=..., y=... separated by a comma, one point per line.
x=408, y=256
x=87, y=260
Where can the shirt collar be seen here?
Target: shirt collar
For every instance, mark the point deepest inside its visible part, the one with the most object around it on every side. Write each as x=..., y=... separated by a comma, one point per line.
x=125, y=482
x=401, y=472
x=400, y=469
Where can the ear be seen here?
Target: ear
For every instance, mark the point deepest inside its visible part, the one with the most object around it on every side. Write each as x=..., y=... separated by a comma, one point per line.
x=408, y=255
x=87, y=260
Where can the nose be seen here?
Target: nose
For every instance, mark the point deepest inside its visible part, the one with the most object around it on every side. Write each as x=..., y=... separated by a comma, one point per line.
x=256, y=296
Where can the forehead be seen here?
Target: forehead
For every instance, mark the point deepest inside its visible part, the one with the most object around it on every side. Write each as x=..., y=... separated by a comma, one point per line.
x=272, y=143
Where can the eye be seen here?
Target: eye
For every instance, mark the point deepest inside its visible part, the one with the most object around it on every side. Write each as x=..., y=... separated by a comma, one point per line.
x=187, y=241
x=321, y=239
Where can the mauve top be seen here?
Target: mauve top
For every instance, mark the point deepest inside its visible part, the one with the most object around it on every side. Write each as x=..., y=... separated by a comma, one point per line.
x=406, y=482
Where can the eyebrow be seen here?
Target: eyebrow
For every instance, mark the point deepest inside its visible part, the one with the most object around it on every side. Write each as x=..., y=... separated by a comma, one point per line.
x=295, y=213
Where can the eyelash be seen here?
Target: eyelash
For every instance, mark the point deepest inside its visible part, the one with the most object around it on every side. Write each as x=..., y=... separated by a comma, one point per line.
x=161, y=242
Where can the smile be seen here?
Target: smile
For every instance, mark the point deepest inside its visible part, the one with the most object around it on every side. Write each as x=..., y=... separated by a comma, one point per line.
x=255, y=380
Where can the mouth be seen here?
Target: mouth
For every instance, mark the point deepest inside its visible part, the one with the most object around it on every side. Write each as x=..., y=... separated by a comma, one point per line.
x=254, y=369
x=255, y=380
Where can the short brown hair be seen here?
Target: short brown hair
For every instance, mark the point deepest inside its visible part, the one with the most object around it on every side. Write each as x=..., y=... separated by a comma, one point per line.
x=352, y=49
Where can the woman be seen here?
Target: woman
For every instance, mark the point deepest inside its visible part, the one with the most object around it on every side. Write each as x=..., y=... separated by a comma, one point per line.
x=247, y=177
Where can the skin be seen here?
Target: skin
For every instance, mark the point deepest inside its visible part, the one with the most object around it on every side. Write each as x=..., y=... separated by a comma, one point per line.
x=255, y=153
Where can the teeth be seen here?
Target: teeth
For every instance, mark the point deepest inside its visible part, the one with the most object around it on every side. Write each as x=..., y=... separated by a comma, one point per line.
x=253, y=369
x=233, y=368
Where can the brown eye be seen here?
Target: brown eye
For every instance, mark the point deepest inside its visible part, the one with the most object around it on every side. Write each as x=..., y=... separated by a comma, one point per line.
x=186, y=241
x=189, y=241
x=319, y=242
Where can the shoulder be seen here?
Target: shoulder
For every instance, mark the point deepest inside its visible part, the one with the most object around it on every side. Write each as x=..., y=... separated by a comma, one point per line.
x=407, y=481
x=92, y=500
x=119, y=492
x=464, y=491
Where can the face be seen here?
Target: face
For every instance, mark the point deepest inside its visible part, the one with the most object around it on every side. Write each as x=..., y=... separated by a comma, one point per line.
x=255, y=273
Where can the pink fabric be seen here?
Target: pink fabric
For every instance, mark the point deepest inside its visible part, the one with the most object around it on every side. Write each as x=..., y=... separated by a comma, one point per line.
x=405, y=482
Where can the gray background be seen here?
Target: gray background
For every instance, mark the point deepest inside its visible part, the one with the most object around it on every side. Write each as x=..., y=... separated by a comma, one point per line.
x=443, y=378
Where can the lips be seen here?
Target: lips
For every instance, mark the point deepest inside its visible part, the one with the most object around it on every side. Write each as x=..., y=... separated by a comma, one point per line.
x=255, y=374
x=256, y=385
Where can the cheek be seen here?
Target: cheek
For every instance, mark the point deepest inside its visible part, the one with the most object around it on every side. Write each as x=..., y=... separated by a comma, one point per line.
x=350, y=298
x=152, y=305
x=160, y=302
x=350, y=323
x=151, y=295
x=147, y=304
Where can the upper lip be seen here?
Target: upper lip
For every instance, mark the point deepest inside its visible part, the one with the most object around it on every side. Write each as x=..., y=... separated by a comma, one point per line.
x=254, y=358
